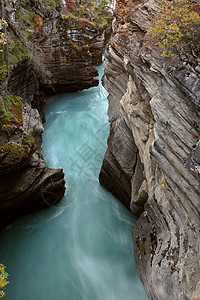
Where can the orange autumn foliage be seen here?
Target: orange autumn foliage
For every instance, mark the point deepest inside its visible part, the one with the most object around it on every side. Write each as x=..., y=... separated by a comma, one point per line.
x=38, y=22
x=122, y=7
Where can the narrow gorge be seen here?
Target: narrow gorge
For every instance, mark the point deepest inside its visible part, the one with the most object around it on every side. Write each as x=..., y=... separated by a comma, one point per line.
x=80, y=248
x=57, y=57
x=53, y=148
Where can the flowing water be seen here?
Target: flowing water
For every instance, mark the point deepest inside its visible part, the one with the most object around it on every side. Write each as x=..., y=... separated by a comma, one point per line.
x=81, y=249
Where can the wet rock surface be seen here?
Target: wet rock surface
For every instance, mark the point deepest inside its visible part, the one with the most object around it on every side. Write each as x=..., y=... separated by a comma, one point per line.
x=158, y=100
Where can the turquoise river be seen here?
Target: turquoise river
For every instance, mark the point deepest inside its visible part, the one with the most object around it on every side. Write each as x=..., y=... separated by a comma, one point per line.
x=80, y=249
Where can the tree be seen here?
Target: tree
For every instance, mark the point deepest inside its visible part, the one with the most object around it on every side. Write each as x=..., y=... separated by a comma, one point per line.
x=176, y=28
x=122, y=7
x=3, y=280
x=88, y=12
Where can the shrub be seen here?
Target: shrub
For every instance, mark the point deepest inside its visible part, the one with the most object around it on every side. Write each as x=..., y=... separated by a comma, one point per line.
x=176, y=28
x=3, y=280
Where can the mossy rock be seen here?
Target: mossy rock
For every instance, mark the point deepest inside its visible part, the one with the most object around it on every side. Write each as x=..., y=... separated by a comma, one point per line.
x=16, y=52
x=11, y=110
x=28, y=140
x=12, y=153
x=78, y=48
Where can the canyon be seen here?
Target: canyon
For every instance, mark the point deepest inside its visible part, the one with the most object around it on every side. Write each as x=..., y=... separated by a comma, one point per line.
x=152, y=163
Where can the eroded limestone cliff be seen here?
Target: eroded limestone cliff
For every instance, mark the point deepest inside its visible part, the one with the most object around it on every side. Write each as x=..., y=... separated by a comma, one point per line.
x=62, y=51
x=26, y=183
x=152, y=161
x=64, y=54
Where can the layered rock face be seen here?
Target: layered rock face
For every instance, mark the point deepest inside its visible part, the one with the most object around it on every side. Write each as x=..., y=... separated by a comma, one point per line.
x=62, y=55
x=63, y=49
x=65, y=53
x=153, y=155
x=26, y=184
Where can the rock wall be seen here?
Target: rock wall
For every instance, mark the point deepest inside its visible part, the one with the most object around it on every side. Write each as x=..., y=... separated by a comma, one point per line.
x=152, y=161
x=64, y=53
x=26, y=183
x=61, y=56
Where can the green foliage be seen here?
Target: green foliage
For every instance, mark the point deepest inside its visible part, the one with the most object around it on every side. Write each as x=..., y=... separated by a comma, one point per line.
x=102, y=14
x=176, y=28
x=3, y=280
x=91, y=15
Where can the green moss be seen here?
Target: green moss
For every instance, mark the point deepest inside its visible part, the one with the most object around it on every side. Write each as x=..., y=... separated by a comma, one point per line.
x=72, y=18
x=14, y=153
x=35, y=76
x=47, y=4
x=28, y=140
x=11, y=114
x=26, y=20
x=11, y=110
x=6, y=128
x=17, y=52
